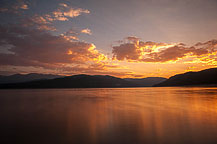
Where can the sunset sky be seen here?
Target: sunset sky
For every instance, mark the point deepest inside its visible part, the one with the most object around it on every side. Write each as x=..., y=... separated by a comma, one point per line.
x=123, y=38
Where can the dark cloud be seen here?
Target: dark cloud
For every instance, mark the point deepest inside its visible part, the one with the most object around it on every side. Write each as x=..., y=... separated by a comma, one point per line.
x=126, y=51
x=33, y=47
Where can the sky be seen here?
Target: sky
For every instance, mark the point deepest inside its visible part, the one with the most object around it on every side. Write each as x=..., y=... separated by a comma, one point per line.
x=123, y=38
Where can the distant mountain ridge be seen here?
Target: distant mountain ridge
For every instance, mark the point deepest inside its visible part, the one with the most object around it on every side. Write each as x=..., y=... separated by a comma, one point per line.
x=149, y=81
x=204, y=77
x=82, y=81
x=17, y=78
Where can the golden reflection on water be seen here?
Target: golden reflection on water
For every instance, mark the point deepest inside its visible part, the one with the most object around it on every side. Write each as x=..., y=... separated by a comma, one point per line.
x=178, y=115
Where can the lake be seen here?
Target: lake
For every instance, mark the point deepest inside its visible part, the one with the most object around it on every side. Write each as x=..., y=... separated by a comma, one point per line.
x=168, y=115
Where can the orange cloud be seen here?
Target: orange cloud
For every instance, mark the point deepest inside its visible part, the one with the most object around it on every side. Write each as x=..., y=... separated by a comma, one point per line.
x=74, y=12
x=73, y=34
x=15, y=7
x=39, y=50
x=32, y=47
x=86, y=31
x=135, y=50
x=44, y=22
x=38, y=22
x=65, y=12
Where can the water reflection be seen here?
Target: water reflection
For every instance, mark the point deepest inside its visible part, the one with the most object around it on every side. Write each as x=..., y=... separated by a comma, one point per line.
x=109, y=116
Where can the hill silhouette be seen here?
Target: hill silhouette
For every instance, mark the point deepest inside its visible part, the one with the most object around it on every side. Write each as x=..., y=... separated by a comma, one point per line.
x=17, y=78
x=79, y=81
x=204, y=77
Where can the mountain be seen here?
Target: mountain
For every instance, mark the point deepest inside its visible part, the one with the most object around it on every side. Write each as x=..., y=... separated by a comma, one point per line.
x=204, y=77
x=149, y=81
x=76, y=81
x=83, y=81
x=17, y=78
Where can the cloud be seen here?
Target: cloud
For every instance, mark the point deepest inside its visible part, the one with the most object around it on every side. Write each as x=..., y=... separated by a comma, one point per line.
x=132, y=39
x=62, y=13
x=126, y=51
x=39, y=22
x=63, y=5
x=86, y=31
x=72, y=31
x=38, y=48
x=15, y=7
x=26, y=45
x=74, y=12
x=73, y=34
x=45, y=21
x=34, y=50
x=21, y=5
x=138, y=51
x=65, y=12
x=173, y=54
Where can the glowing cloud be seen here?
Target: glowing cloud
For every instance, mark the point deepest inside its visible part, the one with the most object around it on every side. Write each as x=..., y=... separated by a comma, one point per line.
x=135, y=50
x=86, y=31
x=32, y=47
x=65, y=12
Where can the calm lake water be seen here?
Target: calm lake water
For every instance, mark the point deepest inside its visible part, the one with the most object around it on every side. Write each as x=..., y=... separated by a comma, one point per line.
x=109, y=116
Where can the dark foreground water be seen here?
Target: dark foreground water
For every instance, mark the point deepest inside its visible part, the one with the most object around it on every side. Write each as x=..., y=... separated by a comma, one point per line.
x=109, y=116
